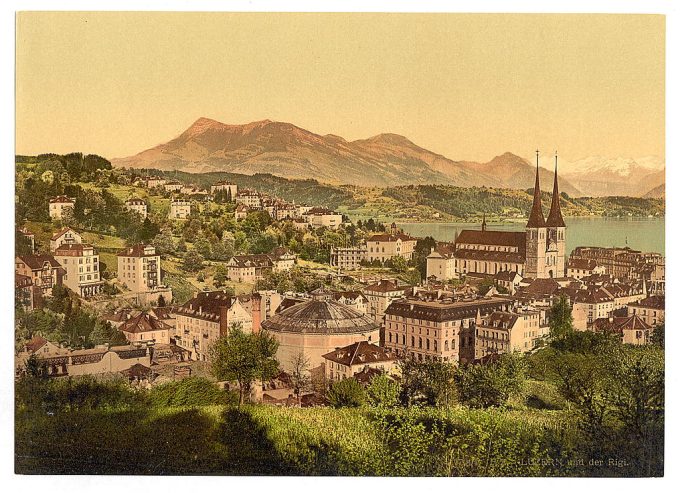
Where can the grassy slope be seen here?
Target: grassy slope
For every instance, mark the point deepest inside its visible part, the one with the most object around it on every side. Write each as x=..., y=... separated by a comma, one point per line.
x=257, y=440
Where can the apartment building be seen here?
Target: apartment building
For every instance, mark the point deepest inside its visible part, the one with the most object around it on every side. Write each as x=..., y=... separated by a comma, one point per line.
x=81, y=263
x=139, y=268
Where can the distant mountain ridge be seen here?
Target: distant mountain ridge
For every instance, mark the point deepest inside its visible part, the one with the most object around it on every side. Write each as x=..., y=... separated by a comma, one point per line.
x=286, y=150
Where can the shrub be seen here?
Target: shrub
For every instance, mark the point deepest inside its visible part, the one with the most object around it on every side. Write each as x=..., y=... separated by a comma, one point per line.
x=346, y=393
x=383, y=392
x=191, y=391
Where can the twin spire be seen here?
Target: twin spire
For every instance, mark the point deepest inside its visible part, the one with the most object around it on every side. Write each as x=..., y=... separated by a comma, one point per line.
x=536, y=218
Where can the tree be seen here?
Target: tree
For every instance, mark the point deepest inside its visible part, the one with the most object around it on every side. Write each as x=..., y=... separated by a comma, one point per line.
x=561, y=320
x=490, y=384
x=193, y=261
x=163, y=242
x=659, y=335
x=399, y=264
x=428, y=382
x=22, y=245
x=299, y=375
x=383, y=392
x=161, y=301
x=346, y=393
x=244, y=357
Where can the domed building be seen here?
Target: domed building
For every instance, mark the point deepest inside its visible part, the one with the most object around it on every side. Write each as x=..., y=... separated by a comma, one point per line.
x=316, y=327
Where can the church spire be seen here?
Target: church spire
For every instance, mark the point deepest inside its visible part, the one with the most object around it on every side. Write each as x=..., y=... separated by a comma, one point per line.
x=536, y=218
x=555, y=215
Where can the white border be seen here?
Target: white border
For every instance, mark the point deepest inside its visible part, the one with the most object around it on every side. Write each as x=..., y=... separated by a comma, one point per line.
x=113, y=483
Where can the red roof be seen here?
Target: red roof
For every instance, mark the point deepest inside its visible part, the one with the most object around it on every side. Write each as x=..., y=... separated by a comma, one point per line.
x=143, y=323
x=59, y=233
x=360, y=353
x=391, y=237
x=137, y=251
x=36, y=343
x=61, y=199
x=36, y=262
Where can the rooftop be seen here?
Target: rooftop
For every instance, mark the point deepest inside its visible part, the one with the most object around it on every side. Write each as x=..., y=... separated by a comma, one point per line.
x=320, y=317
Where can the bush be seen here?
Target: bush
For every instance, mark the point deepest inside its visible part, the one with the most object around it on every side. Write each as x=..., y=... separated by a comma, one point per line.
x=490, y=384
x=346, y=393
x=191, y=391
x=383, y=392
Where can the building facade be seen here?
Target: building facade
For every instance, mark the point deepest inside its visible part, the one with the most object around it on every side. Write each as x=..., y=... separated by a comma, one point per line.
x=180, y=209
x=44, y=270
x=137, y=205
x=436, y=330
x=59, y=205
x=81, y=263
x=348, y=258
x=205, y=318
x=139, y=268
x=386, y=246
x=65, y=236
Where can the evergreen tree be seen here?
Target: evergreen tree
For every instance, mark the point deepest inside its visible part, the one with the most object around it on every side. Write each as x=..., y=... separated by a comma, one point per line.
x=561, y=320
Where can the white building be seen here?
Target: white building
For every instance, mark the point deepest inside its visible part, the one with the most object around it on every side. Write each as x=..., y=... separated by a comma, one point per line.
x=66, y=236
x=138, y=206
x=180, y=209
x=81, y=263
x=60, y=204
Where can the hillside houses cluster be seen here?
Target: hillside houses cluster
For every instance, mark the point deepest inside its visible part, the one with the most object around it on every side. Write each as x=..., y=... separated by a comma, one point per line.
x=506, y=284
x=302, y=216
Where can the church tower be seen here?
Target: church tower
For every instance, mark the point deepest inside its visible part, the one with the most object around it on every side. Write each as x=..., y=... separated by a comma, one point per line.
x=536, y=236
x=556, y=233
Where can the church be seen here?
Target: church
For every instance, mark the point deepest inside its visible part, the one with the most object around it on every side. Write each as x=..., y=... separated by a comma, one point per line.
x=537, y=252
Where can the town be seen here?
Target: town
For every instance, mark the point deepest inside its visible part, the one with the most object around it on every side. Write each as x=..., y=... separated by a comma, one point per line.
x=123, y=273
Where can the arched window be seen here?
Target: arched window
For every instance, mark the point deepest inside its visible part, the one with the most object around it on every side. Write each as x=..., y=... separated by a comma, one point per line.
x=420, y=343
x=435, y=345
x=427, y=344
x=413, y=341
x=446, y=345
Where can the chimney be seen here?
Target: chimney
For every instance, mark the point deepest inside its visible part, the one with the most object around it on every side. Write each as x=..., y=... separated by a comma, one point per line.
x=256, y=312
x=224, y=323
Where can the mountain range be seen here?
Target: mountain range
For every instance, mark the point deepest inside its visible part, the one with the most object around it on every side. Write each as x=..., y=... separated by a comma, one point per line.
x=286, y=150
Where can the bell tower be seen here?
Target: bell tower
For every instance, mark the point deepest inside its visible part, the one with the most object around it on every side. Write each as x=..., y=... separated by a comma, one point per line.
x=536, y=236
x=557, y=231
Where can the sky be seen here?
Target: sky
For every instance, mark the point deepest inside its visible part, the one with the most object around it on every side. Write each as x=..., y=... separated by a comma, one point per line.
x=468, y=86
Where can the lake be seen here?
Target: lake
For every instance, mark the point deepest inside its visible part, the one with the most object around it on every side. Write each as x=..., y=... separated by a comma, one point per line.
x=644, y=234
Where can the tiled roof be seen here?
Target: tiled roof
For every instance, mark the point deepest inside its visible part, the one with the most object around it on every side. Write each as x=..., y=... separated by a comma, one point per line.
x=497, y=238
x=206, y=305
x=506, y=275
x=143, y=323
x=36, y=262
x=391, y=237
x=581, y=263
x=360, y=353
x=653, y=302
x=445, y=311
x=35, y=343
x=320, y=317
x=258, y=260
x=350, y=295
x=135, y=202
x=61, y=199
x=62, y=231
x=619, y=324
x=502, y=320
x=137, y=251
x=66, y=248
x=386, y=286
